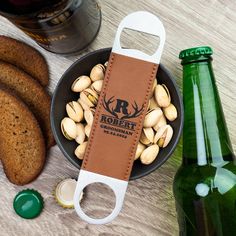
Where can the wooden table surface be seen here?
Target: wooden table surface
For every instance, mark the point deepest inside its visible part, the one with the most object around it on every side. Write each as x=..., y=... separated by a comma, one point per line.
x=149, y=207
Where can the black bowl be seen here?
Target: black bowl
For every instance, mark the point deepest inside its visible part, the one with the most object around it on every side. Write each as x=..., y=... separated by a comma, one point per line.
x=63, y=94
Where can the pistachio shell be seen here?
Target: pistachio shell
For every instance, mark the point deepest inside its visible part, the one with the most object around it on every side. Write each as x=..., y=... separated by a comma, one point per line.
x=74, y=111
x=106, y=64
x=97, y=86
x=162, y=95
x=88, y=116
x=87, y=130
x=152, y=104
x=149, y=154
x=83, y=104
x=81, y=83
x=170, y=112
x=147, y=136
x=160, y=123
x=97, y=72
x=149, y=133
x=163, y=135
x=143, y=139
x=68, y=128
x=139, y=150
x=154, y=86
x=80, y=150
x=152, y=117
x=92, y=109
x=90, y=97
x=80, y=133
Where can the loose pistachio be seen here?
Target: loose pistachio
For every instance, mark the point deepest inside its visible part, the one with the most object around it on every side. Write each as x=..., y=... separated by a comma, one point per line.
x=160, y=123
x=162, y=95
x=152, y=117
x=89, y=97
x=152, y=103
x=170, y=112
x=81, y=83
x=88, y=116
x=74, y=111
x=163, y=135
x=83, y=104
x=87, y=130
x=149, y=154
x=97, y=86
x=106, y=64
x=154, y=86
x=139, y=150
x=147, y=136
x=149, y=133
x=80, y=133
x=68, y=128
x=97, y=72
x=80, y=150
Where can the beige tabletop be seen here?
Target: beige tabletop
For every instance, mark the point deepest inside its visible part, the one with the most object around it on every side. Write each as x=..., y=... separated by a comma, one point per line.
x=149, y=207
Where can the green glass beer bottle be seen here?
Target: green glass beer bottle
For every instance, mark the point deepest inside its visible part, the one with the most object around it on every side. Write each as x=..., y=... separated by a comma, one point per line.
x=205, y=185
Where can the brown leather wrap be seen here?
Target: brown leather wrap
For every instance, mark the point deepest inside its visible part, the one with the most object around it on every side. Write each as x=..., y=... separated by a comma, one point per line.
x=108, y=153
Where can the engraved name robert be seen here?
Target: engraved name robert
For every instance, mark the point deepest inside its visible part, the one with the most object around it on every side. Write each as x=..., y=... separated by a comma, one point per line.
x=117, y=122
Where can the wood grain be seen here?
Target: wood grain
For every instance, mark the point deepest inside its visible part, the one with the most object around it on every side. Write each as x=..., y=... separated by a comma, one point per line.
x=149, y=205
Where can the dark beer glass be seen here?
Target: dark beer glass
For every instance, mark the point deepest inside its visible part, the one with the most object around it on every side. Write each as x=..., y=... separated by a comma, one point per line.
x=60, y=26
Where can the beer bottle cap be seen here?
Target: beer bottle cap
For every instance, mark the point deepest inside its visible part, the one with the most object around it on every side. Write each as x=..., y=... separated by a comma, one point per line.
x=198, y=52
x=64, y=193
x=28, y=204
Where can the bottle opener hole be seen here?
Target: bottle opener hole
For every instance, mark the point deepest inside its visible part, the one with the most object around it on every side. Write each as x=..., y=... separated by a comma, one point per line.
x=143, y=42
x=99, y=200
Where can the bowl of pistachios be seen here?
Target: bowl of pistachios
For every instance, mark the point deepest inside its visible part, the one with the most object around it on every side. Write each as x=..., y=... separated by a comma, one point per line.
x=74, y=102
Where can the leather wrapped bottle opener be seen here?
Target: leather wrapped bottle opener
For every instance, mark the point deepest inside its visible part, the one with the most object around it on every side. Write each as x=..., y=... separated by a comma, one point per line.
x=120, y=113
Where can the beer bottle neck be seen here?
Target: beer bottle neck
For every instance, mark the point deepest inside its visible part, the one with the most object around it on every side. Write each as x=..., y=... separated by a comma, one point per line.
x=205, y=135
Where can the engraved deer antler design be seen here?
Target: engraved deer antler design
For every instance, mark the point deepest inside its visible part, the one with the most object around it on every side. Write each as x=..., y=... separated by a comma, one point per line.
x=135, y=113
x=106, y=105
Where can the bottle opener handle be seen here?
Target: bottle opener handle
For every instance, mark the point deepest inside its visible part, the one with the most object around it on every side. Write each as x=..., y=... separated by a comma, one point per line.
x=144, y=22
x=102, y=166
x=118, y=186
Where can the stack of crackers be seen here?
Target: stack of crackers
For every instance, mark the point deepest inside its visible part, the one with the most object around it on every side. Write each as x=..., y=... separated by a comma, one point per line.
x=25, y=132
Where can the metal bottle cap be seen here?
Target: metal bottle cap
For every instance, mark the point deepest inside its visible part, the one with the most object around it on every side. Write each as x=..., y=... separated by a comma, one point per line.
x=28, y=204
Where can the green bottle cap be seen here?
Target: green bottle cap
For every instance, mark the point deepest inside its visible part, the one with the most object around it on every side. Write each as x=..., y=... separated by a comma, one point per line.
x=28, y=204
x=198, y=53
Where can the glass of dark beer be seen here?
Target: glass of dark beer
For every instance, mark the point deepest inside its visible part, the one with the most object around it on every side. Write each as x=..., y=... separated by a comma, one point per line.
x=60, y=26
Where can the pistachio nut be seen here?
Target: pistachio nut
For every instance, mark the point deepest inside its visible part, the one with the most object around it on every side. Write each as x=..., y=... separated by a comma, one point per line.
x=152, y=104
x=81, y=83
x=97, y=72
x=106, y=64
x=80, y=150
x=68, y=128
x=149, y=154
x=149, y=133
x=147, y=136
x=92, y=109
x=162, y=95
x=87, y=130
x=74, y=111
x=154, y=86
x=88, y=116
x=170, y=112
x=160, y=123
x=80, y=133
x=139, y=150
x=97, y=86
x=152, y=117
x=83, y=104
x=90, y=97
x=163, y=135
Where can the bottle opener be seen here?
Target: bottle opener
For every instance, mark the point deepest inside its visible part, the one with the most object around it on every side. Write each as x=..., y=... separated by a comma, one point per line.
x=120, y=113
